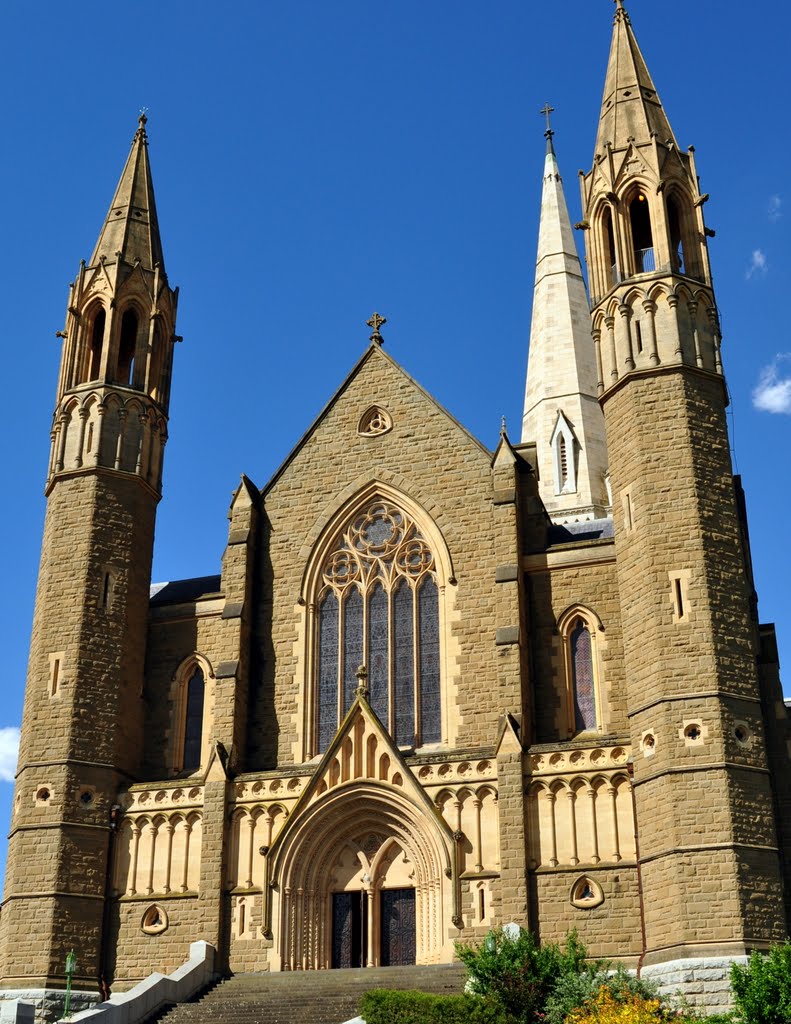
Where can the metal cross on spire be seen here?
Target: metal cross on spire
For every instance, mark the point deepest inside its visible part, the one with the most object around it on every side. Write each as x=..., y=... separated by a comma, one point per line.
x=546, y=110
x=375, y=323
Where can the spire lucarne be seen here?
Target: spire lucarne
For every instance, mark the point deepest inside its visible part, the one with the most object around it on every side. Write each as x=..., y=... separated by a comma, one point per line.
x=561, y=412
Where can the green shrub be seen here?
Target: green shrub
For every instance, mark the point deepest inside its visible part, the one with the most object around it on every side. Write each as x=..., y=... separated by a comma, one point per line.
x=383, y=1006
x=521, y=975
x=574, y=990
x=762, y=989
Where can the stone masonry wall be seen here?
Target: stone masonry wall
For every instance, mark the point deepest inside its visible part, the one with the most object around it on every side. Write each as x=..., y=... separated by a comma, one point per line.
x=82, y=723
x=689, y=658
x=430, y=458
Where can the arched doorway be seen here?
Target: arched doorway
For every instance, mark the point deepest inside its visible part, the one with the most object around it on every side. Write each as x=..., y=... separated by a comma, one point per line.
x=362, y=877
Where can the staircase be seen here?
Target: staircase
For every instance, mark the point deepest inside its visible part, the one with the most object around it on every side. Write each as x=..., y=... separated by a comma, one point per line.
x=313, y=997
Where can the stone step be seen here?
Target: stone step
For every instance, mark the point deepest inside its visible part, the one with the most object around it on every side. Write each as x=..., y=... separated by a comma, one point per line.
x=308, y=997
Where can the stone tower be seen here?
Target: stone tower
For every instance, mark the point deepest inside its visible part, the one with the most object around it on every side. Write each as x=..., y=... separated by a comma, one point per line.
x=81, y=731
x=709, y=857
x=562, y=415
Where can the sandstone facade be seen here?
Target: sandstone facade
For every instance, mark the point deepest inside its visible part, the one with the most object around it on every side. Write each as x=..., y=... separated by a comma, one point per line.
x=435, y=688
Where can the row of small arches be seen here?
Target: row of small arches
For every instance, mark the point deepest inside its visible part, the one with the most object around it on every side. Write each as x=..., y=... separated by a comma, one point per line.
x=110, y=432
x=656, y=327
x=158, y=853
x=626, y=240
x=580, y=820
x=127, y=364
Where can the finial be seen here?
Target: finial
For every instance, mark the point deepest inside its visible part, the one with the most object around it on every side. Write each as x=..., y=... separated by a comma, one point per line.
x=546, y=110
x=141, y=123
x=375, y=323
x=621, y=14
x=502, y=427
x=362, y=682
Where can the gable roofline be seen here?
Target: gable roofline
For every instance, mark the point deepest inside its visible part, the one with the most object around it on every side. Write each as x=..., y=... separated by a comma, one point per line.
x=371, y=352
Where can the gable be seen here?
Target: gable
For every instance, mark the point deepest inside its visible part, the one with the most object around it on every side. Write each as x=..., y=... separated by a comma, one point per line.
x=416, y=423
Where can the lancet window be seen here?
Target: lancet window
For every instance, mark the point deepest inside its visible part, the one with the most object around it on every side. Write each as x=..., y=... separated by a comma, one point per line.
x=193, y=721
x=378, y=606
x=581, y=632
x=642, y=235
x=127, y=348
x=581, y=651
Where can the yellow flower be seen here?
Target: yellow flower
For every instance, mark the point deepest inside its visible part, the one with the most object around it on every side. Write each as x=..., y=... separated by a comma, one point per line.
x=626, y=1008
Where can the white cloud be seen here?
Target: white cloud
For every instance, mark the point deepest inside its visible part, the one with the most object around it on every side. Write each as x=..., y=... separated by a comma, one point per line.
x=775, y=209
x=758, y=264
x=772, y=393
x=9, y=747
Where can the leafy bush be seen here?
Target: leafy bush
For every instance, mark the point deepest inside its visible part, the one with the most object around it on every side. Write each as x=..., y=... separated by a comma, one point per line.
x=521, y=975
x=762, y=989
x=383, y=1006
x=574, y=990
x=625, y=1007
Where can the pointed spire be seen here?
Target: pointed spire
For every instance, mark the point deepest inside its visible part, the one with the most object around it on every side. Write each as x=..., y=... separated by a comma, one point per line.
x=631, y=108
x=561, y=369
x=131, y=228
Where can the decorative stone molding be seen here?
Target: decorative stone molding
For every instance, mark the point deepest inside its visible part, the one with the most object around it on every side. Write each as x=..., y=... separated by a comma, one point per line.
x=155, y=920
x=586, y=894
x=374, y=422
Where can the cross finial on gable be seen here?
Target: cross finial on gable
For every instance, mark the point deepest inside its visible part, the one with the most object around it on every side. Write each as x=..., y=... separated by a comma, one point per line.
x=375, y=323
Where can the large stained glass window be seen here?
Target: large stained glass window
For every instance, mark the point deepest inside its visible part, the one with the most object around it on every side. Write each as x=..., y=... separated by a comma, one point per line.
x=379, y=607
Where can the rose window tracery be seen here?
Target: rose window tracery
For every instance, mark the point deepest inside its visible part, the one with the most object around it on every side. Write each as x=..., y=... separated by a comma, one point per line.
x=379, y=607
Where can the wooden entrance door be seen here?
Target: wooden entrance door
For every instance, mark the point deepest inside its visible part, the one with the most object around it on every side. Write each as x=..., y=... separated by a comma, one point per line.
x=398, y=933
x=349, y=929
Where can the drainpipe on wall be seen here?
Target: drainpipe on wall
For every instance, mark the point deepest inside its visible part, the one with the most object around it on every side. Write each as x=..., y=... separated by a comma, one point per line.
x=115, y=817
x=630, y=769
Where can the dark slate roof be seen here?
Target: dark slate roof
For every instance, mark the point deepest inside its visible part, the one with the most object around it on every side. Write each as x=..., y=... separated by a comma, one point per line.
x=181, y=591
x=595, y=529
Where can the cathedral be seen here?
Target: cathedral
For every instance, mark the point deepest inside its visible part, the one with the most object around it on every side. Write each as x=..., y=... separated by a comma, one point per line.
x=435, y=688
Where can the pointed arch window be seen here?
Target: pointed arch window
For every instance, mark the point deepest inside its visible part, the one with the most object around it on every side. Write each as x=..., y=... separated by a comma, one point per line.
x=679, y=224
x=613, y=277
x=580, y=631
x=96, y=344
x=581, y=651
x=192, y=715
x=127, y=349
x=193, y=721
x=378, y=606
x=642, y=234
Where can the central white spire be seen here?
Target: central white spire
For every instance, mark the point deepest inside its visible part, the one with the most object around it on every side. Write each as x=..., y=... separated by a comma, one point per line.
x=562, y=415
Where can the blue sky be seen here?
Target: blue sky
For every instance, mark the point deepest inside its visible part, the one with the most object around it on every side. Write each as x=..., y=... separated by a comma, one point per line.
x=317, y=160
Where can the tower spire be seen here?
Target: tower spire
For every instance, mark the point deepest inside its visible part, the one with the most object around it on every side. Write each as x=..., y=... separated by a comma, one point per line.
x=561, y=412
x=131, y=229
x=631, y=109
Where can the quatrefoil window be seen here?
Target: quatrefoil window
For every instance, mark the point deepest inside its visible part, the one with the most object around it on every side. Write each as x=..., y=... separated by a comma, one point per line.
x=375, y=421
